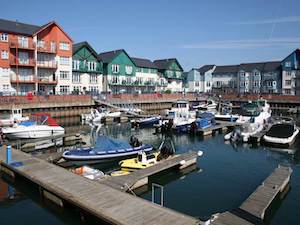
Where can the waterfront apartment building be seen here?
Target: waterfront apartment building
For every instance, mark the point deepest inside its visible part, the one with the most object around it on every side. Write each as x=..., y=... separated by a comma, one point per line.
x=224, y=79
x=34, y=58
x=199, y=80
x=171, y=70
x=291, y=74
x=87, y=75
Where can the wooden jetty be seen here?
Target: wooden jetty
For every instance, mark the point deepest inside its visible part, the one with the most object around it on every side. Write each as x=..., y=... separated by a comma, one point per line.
x=254, y=208
x=140, y=177
x=106, y=203
x=107, y=200
x=219, y=127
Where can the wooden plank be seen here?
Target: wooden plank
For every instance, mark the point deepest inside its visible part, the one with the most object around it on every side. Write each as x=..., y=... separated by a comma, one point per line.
x=98, y=199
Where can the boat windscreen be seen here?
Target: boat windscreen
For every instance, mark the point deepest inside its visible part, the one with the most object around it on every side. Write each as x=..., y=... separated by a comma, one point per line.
x=281, y=131
x=105, y=143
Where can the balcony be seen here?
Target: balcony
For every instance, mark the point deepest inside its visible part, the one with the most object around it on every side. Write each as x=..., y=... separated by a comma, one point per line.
x=18, y=44
x=47, y=47
x=22, y=79
x=47, y=64
x=21, y=62
x=48, y=80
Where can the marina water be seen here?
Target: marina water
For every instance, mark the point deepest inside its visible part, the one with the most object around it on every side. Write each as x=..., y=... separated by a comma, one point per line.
x=224, y=177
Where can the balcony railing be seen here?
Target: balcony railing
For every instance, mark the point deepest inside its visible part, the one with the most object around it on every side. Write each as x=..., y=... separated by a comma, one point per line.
x=47, y=47
x=21, y=62
x=47, y=64
x=47, y=80
x=14, y=43
x=22, y=79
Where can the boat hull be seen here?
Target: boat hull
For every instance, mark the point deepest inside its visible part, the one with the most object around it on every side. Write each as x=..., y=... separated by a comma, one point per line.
x=281, y=142
x=32, y=132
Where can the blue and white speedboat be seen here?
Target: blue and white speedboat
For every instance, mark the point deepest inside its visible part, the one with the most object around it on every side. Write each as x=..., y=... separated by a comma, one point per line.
x=107, y=149
x=147, y=122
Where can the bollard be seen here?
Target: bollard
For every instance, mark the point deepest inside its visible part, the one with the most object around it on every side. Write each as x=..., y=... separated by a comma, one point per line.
x=8, y=154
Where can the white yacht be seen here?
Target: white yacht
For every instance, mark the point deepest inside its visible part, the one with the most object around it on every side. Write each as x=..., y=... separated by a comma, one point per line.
x=40, y=125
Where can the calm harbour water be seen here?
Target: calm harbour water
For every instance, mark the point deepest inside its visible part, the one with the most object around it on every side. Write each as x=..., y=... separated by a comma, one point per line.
x=225, y=176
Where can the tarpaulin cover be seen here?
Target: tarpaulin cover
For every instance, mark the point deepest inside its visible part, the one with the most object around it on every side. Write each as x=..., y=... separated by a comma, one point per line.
x=281, y=130
x=105, y=143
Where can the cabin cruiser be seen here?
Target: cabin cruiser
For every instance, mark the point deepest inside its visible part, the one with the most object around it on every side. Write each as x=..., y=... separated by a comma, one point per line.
x=180, y=117
x=40, y=125
x=255, y=112
x=107, y=149
x=14, y=117
x=283, y=132
x=225, y=113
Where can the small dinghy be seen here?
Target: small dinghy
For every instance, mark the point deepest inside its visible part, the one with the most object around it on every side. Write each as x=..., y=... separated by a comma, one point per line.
x=107, y=149
x=89, y=172
x=282, y=133
x=146, y=122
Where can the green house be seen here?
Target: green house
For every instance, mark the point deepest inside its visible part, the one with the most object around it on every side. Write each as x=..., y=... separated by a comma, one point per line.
x=169, y=68
x=118, y=70
x=87, y=69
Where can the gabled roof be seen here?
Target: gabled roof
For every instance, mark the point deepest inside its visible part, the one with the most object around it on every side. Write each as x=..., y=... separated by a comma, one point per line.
x=226, y=69
x=249, y=67
x=271, y=66
x=297, y=51
x=107, y=57
x=205, y=68
x=26, y=29
x=17, y=27
x=145, y=63
x=78, y=46
x=163, y=64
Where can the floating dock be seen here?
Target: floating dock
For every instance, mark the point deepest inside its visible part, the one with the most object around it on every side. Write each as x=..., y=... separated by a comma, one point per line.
x=107, y=200
x=219, y=127
x=140, y=177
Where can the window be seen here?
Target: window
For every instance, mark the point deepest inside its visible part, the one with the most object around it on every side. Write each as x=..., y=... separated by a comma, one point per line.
x=288, y=64
x=288, y=73
x=5, y=87
x=93, y=79
x=178, y=74
x=287, y=91
x=64, y=75
x=115, y=68
x=64, y=61
x=4, y=37
x=256, y=74
x=76, y=78
x=40, y=43
x=23, y=41
x=4, y=55
x=255, y=83
x=76, y=64
x=138, y=69
x=242, y=74
x=288, y=82
x=274, y=83
x=208, y=84
x=64, y=46
x=128, y=69
x=77, y=89
x=91, y=66
x=115, y=79
x=64, y=89
x=93, y=89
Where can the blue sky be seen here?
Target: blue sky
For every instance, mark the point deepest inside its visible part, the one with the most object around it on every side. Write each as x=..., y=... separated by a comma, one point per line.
x=197, y=32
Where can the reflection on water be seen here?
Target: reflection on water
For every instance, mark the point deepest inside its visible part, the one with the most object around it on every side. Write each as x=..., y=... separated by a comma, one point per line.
x=223, y=178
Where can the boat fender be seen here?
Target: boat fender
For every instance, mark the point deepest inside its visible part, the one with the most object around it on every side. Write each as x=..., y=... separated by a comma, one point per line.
x=200, y=153
x=182, y=162
x=245, y=139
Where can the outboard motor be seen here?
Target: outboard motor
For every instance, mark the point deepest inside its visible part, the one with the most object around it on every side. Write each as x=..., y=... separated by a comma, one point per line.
x=236, y=135
x=134, y=141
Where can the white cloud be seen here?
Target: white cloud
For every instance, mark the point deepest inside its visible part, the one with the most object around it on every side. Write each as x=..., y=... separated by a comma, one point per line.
x=288, y=19
x=247, y=43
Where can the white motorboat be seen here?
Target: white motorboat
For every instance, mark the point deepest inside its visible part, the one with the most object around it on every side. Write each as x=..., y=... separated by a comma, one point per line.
x=209, y=105
x=255, y=112
x=89, y=172
x=180, y=116
x=282, y=133
x=244, y=132
x=96, y=115
x=14, y=117
x=39, y=126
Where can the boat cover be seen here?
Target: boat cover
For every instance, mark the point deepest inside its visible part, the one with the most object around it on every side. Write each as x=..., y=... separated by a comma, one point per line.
x=105, y=143
x=281, y=131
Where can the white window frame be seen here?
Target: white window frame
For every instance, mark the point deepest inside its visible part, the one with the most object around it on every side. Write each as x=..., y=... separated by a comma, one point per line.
x=288, y=64
x=64, y=75
x=115, y=68
x=64, y=61
x=128, y=69
x=4, y=37
x=64, y=46
x=4, y=54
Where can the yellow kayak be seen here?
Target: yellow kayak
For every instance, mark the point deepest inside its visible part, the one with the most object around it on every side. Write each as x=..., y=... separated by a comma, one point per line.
x=142, y=161
x=119, y=173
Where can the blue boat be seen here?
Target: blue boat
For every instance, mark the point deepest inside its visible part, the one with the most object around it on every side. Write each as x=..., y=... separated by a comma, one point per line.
x=147, y=122
x=204, y=120
x=107, y=149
